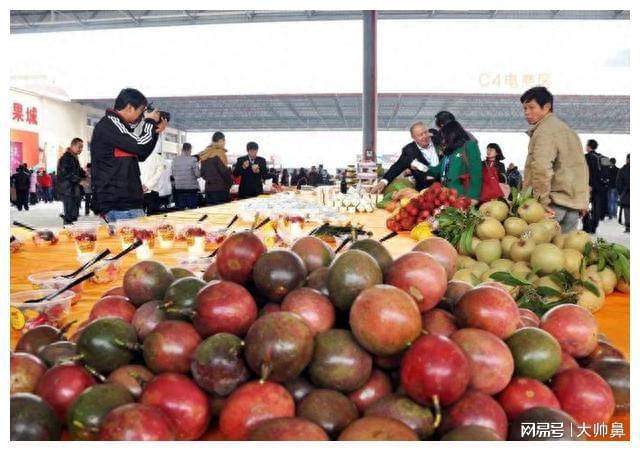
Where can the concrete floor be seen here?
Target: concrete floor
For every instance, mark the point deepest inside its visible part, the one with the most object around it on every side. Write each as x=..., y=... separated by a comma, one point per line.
x=47, y=215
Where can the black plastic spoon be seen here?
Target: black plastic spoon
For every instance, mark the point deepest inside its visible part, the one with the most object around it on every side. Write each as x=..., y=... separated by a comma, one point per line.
x=24, y=226
x=261, y=224
x=136, y=244
x=388, y=237
x=91, y=262
x=235, y=218
x=78, y=281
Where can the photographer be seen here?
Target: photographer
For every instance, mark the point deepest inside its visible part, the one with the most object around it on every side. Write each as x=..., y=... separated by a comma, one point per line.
x=115, y=153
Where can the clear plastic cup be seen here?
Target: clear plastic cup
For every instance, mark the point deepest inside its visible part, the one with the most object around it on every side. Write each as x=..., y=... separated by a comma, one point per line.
x=214, y=238
x=125, y=230
x=27, y=316
x=53, y=280
x=195, y=235
x=193, y=263
x=44, y=237
x=16, y=244
x=166, y=232
x=106, y=271
x=145, y=232
x=85, y=237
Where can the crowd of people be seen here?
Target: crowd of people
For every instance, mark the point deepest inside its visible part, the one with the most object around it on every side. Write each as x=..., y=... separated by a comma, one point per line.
x=570, y=183
x=31, y=186
x=127, y=179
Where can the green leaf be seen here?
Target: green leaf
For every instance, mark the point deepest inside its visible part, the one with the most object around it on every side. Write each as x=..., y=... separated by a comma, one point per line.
x=568, y=300
x=468, y=236
x=587, y=249
x=548, y=292
x=528, y=193
x=620, y=249
x=590, y=286
x=509, y=279
x=536, y=270
x=562, y=279
x=625, y=266
x=583, y=266
x=601, y=263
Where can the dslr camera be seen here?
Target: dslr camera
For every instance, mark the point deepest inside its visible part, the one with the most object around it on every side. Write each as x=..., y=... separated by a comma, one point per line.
x=163, y=114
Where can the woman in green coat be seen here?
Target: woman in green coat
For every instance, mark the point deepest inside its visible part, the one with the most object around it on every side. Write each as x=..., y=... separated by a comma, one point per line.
x=460, y=166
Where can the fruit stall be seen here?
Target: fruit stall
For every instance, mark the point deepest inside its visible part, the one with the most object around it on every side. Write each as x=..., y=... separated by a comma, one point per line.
x=424, y=319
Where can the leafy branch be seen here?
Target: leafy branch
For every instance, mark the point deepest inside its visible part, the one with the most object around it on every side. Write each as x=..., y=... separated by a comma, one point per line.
x=457, y=226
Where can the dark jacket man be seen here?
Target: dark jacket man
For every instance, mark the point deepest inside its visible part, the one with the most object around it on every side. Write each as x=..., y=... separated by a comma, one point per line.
x=21, y=181
x=410, y=152
x=420, y=150
x=115, y=152
x=253, y=170
x=70, y=173
x=69, y=176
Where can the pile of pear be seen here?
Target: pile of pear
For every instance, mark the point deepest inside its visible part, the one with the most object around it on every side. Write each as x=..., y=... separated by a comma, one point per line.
x=532, y=246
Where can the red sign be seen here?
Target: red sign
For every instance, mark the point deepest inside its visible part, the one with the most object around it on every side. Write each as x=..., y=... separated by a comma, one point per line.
x=17, y=112
x=32, y=115
x=18, y=115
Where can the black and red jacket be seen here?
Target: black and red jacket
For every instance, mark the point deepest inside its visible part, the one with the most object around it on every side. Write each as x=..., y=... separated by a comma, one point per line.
x=115, y=153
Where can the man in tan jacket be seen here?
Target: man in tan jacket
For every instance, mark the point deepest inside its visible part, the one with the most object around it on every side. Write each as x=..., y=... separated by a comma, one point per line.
x=214, y=170
x=555, y=168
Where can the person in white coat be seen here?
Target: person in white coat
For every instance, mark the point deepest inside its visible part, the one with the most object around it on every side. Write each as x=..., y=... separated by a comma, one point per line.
x=150, y=172
x=164, y=186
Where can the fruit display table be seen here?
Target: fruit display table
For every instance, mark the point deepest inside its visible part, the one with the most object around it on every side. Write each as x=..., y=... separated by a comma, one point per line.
x=613, y=319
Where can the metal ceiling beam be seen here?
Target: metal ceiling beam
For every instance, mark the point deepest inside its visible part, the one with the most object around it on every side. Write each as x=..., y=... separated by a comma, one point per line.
x=106, y=19
x=340, y=112
x=315, y=108
x=478, y=112
x=295, y=112
x=130, y=15
x=395, y=111
x=21, y=15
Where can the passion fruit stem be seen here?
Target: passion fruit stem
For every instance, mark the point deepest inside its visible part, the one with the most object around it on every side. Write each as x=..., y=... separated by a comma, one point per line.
x=139, y=379
x=95, y=373
x=416, y=294
x=265, y=371
x=437, y=418
x=166, y=305
x=71, y=359
x=181, y=311
x=129, y=346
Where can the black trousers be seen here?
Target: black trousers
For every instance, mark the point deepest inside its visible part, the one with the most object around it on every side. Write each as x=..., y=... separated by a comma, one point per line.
x=599, y=208
x=603, y=202
x=71, y=205
x=87, y=204
x=186, y=199
x=217, y=197
x=150, y=202
x=22, y=199
x=627, y=217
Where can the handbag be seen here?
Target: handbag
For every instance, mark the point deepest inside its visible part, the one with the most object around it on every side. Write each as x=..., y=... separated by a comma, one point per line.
x=506, y=190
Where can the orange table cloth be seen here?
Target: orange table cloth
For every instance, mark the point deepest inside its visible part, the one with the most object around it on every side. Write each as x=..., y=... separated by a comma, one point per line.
x=613, y=318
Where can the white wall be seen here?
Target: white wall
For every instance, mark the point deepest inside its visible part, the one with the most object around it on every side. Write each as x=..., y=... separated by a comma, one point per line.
x=336, y=149
x=59, y=122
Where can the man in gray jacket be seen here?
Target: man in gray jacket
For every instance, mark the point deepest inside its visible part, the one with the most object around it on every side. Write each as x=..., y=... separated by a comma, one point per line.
x=185, y=174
